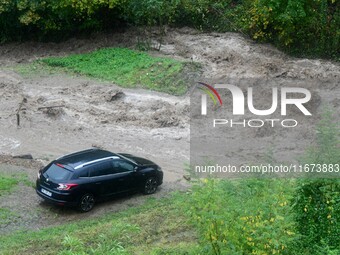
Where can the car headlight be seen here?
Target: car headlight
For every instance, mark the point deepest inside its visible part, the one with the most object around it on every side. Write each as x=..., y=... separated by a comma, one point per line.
x=159, y=169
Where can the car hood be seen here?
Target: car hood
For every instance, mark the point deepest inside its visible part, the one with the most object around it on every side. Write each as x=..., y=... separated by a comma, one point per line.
x=138, y=160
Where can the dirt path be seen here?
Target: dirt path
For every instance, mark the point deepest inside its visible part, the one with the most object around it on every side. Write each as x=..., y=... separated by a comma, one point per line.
x=149, y=124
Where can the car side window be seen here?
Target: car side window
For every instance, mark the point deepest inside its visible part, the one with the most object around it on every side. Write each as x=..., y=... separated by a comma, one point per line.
x=101, y=169
x=121, y=166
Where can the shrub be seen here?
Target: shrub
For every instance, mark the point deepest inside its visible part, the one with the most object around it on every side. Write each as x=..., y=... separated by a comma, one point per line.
x=244, y=216
x=317, y=204
x=304, y=27
x=203, y=14
x=151, y=12
x=26, y=19
x=318, y=213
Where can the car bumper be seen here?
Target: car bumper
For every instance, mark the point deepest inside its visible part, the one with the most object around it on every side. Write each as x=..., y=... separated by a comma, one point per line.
x=57, y=200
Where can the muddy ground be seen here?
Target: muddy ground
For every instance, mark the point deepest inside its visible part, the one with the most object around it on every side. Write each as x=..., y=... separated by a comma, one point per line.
x=145, y=123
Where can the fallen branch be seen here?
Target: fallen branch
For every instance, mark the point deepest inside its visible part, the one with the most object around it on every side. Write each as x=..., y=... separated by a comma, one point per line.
x=24, y=156
x=24, y=100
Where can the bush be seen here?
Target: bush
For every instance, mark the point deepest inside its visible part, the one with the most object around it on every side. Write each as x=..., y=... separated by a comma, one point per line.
x=151, y=12
x=204, y=14
x=22, y=19
x=303, y=27
x=317, y=204
x=243, y=216
x=318, y=213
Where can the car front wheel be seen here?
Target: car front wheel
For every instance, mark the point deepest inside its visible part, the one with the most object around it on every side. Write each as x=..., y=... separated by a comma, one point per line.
x=150, y=186
x=86, y=202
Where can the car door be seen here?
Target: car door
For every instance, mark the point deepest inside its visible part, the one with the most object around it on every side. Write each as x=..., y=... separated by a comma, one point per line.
x=125, y=175
x=103, y=178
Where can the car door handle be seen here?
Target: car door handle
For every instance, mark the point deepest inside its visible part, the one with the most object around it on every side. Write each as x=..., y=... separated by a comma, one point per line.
x=98, y=183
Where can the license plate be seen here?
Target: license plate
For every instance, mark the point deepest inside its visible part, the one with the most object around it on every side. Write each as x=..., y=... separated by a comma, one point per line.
x=46, y=192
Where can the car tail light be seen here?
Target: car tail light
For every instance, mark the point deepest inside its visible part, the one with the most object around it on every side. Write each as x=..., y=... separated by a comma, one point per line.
x=66, y=186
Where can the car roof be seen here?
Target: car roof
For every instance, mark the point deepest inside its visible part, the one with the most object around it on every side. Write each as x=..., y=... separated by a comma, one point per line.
x=78, y=159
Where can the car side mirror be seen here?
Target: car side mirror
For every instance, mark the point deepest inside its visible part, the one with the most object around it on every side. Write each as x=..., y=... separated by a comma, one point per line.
x=135, y=169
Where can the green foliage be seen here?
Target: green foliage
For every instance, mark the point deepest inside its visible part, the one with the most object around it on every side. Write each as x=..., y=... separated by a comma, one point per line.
x=151, y=12
x=244, y=216
x=147, y=14
x=128, y=68
x=317, y=204
x=303, y=27
x=22, y=18
x=318, y=213
x=208, y=14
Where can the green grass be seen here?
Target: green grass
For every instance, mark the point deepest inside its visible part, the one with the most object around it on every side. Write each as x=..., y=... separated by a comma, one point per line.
x=7, y=183
x=6, y=216
x=157, y=227
x=127, y=68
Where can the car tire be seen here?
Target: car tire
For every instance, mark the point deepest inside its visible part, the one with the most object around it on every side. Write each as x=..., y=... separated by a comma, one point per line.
x=86, y=202
x=150, y=185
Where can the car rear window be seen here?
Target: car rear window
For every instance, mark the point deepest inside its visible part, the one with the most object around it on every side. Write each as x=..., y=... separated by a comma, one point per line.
x=57, y=173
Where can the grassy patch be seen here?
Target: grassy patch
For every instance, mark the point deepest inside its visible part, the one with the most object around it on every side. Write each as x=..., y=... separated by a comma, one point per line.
x=6, y=216
x=7, y=183
x=128, y=68
x=23, y=178
x=153, y=228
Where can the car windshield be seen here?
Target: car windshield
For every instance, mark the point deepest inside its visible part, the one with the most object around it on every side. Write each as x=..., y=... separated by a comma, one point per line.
x=57, y=173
